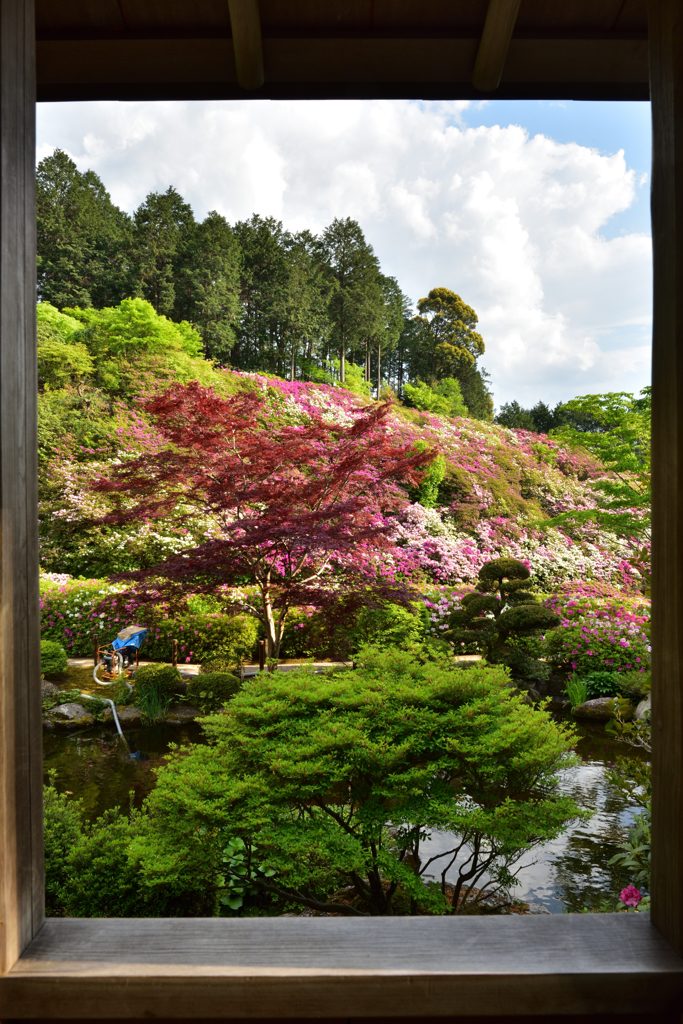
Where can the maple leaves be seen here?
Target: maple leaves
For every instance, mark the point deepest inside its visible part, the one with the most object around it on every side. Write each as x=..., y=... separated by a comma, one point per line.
x=300, y=510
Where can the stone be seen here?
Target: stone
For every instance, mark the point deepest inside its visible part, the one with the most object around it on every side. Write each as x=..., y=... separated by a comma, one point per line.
x=600, y=709
x=644, y=708
x=559, y=704
x=48, y=689
x=181, y=714
x=534, y=694
x=70, y=716
x=537, y=908
x=128, y=717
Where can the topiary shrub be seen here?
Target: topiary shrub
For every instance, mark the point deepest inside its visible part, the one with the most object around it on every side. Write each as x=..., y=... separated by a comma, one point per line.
x=500, y=611
x=209, y=691
x=153, y=688
x=53, y=658
x=215, y=665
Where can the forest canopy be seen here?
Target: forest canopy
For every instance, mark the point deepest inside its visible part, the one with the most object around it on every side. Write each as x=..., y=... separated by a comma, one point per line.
x=252, y=296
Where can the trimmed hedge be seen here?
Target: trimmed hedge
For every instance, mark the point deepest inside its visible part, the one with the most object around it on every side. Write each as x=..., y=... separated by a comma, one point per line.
x=209, y=691
x=53, y=657
x=163, y=679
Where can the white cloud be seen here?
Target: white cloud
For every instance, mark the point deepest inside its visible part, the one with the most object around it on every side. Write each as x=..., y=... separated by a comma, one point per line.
x=511, y=223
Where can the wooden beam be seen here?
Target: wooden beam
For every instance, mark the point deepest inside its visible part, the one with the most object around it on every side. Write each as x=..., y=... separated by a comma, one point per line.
x=21, y=864
x=666, y=87
x=495, y=41
x=317, y=968
x=247, y=43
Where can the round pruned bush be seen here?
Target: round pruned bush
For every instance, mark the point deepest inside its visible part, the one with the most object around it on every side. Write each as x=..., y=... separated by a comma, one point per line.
x=163, y=678
x=53, y=658
x=153, y=689
x=209, y=691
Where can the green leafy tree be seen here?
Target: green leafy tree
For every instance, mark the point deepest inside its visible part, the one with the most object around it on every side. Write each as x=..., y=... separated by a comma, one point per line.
x=131, y=338
x=615, y=429
x=339, y=780
x=513, y=415
x=261, y=338
x=451, y=322
x=444, y=399
x=305, y=298
x=83, y=238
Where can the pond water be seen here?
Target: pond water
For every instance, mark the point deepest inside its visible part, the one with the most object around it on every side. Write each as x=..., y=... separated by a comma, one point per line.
x=568, y=874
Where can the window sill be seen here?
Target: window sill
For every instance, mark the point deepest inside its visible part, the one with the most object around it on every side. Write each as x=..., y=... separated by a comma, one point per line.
x=289, y=967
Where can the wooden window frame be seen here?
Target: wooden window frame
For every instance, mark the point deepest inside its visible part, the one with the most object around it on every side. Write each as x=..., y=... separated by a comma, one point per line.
x=329, y=968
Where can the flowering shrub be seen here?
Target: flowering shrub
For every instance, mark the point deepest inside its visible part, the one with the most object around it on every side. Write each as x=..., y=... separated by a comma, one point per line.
x=80, y=610
x=611, y=637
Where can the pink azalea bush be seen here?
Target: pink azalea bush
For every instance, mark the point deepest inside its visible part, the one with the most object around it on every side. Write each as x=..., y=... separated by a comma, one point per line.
x=630, y=896
x=499, y=486
x=601, y=629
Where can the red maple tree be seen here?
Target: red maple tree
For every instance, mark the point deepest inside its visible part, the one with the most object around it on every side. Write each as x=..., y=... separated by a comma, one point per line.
x=298, y=510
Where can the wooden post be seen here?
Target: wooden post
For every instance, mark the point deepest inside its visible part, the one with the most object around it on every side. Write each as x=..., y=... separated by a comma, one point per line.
x=261, y=655
x=21, y=839
x=247, y=43
x=495, y=43
x=175, y=653
x=666, y=88
x=95, y=649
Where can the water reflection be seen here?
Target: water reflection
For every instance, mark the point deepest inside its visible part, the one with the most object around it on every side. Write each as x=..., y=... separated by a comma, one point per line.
x=573, y=871
x=570, y=873
x=97, y=767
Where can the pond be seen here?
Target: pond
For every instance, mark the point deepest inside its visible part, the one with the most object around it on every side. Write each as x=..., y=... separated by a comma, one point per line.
x=568, y=874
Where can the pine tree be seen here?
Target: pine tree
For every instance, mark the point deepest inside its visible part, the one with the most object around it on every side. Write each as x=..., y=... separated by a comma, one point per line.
x=83, y=238
x=356, y=301
x=207, y=286
x=163, y=227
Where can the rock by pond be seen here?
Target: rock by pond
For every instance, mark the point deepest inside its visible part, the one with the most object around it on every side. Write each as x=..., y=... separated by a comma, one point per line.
x=600, y=709
x=75, y=716
x=69, y=716
x=644, y=708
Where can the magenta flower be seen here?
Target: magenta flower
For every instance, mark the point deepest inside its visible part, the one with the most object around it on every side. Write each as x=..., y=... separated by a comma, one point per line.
x=630, y=896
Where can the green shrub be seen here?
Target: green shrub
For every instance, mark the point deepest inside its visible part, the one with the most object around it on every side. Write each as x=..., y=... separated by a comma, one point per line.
x=635, y=684
x=72, y=614
x=602, y=684
x=204, y=637
x=340, y=636
x=577, y=691
x=53, y=657
x=209, y=691
x=336, y=779
x=61, y=830
x=154, y=686
x=91, y=869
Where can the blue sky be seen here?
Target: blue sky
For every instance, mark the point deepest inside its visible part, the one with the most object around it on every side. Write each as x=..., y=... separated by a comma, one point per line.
x=607, y=127
x=536, y=213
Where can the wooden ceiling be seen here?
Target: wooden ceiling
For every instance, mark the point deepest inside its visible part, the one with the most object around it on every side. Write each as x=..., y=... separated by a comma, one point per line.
x=300, y=49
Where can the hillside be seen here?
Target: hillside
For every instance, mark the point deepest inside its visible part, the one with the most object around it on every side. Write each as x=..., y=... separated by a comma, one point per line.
x=489, y=493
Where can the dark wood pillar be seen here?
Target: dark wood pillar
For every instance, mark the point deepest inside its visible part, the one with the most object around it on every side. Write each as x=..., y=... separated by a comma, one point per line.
x=21, y=861
x=666, y=84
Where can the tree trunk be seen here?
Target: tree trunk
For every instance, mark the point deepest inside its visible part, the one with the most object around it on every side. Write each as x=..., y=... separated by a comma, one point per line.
x=342, y=364
x=379, y=371
x=291, y=373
